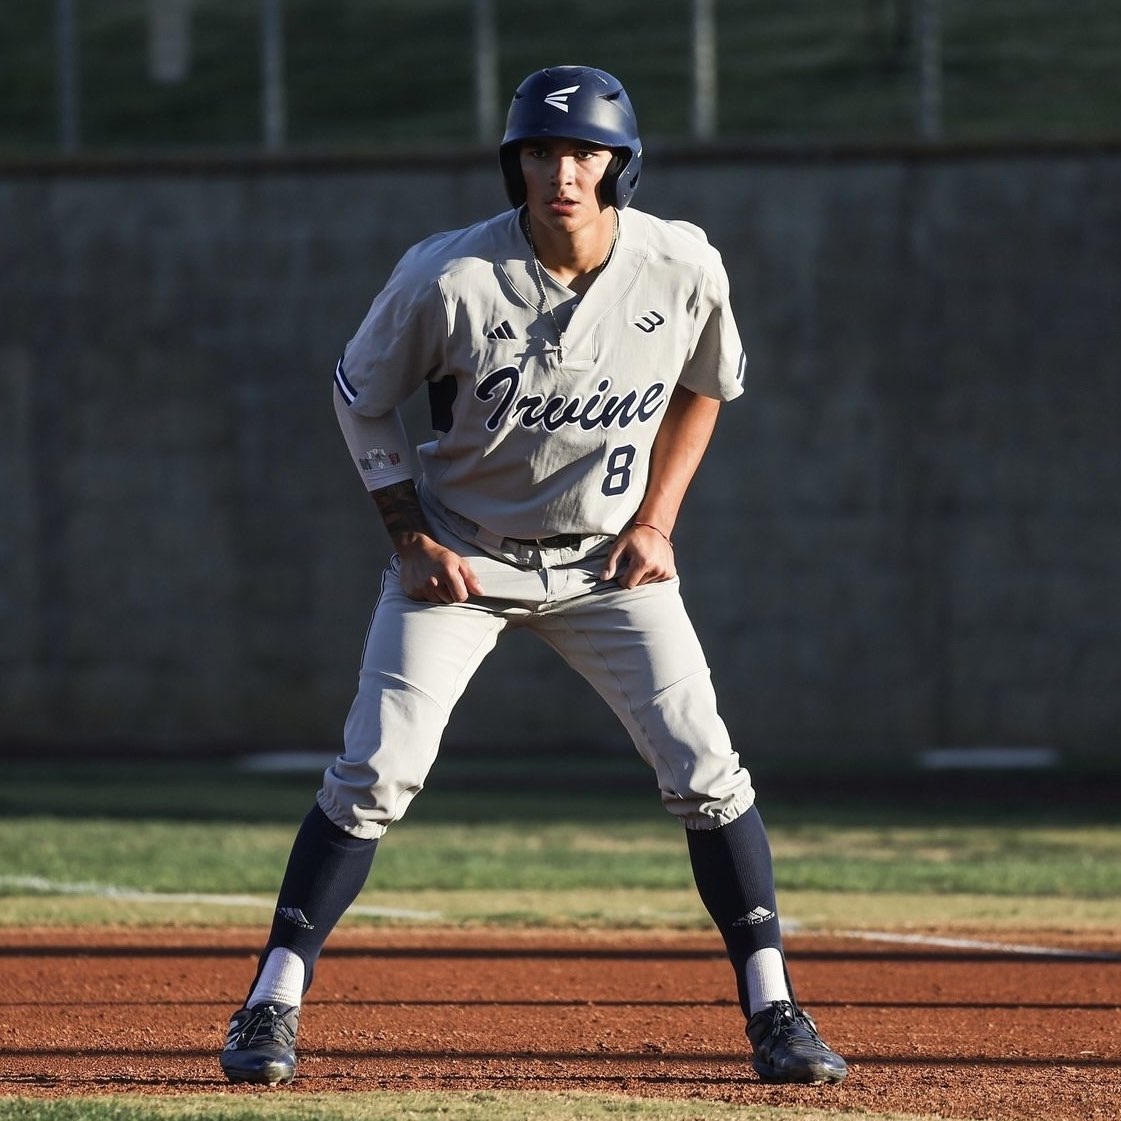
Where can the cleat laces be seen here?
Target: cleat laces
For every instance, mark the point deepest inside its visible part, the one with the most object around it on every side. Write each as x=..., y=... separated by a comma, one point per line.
x=263, y=1026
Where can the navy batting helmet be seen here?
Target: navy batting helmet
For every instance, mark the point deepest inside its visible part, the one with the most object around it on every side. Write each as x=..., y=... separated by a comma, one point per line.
x=578, y=103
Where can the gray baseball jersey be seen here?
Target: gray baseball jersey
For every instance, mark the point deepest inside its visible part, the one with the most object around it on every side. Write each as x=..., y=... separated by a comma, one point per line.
x=545, y=409
x=534, y=438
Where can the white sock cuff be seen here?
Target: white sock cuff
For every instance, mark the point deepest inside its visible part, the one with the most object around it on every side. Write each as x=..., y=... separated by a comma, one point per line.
x=281, y=980
x=766, y=978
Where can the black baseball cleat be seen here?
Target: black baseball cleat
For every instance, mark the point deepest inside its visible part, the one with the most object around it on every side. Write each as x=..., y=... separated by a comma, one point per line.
x=786, y=1047
x=261, y=1045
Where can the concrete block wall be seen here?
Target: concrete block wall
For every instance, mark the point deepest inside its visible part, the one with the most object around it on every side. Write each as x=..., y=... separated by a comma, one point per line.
x=906, y=534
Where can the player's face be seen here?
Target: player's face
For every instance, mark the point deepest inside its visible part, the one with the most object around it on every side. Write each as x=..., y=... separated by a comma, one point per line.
x=561, y=181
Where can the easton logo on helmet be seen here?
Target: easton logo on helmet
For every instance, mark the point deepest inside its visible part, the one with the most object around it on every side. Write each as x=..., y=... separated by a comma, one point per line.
x=558, y=99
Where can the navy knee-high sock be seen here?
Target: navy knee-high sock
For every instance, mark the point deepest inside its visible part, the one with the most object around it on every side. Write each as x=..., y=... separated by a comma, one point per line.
x=326, y=870
x=735, y=878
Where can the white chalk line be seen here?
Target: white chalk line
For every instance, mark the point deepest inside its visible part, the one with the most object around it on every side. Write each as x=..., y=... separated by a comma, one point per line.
x=43, y=886
x=1012, y=948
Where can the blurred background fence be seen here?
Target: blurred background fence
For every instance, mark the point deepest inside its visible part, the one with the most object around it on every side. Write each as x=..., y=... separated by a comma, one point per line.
x=126, y=74
x=909, y=533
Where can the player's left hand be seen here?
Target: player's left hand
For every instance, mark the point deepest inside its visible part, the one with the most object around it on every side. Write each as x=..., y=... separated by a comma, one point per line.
x=640, y=555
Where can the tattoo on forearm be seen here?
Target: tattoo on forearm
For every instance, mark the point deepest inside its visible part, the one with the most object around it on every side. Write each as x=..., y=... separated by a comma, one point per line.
x=400, y=509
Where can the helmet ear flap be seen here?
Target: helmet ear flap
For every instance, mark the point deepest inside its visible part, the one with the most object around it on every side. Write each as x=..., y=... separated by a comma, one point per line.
x=621, y=178
x=610, y=180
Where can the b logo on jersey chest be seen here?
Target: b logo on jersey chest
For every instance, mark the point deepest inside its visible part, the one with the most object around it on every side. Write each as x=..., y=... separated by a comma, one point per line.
x=650, y=321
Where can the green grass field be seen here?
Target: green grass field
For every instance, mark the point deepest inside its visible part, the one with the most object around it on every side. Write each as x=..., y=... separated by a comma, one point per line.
x=414, y=1107
x=103, y=840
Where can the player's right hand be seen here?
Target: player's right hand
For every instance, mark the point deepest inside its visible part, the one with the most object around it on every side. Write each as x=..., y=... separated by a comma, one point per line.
x=431, y=573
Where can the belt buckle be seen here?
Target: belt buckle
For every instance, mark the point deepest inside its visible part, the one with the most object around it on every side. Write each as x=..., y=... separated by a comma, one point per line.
x=563, y=541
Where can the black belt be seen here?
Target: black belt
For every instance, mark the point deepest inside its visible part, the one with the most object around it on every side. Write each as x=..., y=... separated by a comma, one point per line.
x=560, y=541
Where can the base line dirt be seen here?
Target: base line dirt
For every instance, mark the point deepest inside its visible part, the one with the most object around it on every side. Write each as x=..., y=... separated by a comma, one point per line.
x=927, y=1029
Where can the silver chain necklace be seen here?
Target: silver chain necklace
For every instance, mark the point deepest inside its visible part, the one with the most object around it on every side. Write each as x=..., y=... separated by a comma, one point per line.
x=538, y=272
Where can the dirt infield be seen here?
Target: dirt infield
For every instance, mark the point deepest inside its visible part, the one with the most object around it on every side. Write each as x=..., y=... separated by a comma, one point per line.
x=959, y=1032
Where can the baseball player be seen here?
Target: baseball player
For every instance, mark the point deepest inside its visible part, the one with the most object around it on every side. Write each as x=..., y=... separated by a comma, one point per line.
x=576, y=353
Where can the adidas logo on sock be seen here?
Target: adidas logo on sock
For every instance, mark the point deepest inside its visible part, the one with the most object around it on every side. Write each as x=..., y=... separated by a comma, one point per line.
x=296, y=917
x=754, y=918
x=502, y=331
